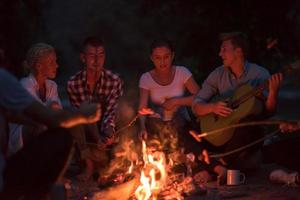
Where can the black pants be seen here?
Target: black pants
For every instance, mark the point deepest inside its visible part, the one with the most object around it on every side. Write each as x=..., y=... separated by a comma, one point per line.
x=241, y=137
x=32, y=170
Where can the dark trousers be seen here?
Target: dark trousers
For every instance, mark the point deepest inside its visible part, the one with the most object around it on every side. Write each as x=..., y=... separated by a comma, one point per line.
x=31, y=172
x=241, y=137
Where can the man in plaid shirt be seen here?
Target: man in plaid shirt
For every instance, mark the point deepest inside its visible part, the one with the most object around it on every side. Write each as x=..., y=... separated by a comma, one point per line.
x=96, y=84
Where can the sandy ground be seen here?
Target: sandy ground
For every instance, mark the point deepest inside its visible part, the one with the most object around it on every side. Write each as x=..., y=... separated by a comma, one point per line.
x=256, y=187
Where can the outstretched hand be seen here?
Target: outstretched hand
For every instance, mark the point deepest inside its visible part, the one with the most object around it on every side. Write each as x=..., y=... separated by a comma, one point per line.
x=146, y=111
x=91, y=112
x=87, y=114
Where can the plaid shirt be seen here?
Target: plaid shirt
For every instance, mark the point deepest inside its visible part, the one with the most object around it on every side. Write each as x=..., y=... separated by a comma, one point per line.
x=107, y=91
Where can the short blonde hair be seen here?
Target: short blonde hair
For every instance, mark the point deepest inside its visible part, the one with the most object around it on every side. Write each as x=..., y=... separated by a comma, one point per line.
x=37, y=51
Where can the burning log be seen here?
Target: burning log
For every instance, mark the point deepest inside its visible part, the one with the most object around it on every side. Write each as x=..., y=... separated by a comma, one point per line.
x=119, y=192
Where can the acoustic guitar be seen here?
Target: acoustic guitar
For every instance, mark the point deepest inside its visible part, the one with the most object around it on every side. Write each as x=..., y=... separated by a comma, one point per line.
x=244, y=103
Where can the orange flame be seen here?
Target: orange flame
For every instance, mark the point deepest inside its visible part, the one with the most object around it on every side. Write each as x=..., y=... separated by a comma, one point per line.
x=130, y=168
x=149, y=187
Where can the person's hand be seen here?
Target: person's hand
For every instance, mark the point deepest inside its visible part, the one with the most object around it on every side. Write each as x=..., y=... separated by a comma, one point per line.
x=91, y=112
x=108, y=136
x=287, y=127
x=146, y=111
x=204, y=156
x=143, y=135
x=170, y=104
x=274, y=82
x=87, y=114
x=54, y=105
x=220, y=108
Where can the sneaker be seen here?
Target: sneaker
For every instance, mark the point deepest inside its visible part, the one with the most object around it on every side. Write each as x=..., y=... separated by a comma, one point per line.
x=280, y=176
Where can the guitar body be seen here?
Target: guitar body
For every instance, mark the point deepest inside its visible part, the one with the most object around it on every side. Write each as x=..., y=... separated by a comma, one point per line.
x=210, y=122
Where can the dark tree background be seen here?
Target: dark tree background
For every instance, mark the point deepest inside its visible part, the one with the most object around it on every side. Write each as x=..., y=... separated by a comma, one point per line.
x=129, y=26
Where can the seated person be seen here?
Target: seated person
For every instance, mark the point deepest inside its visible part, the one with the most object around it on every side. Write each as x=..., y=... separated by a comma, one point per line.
x=235, y=72
x=96, y=84
x=163, y=90
x=30, y=172
x=164, y=86
x=41, y=60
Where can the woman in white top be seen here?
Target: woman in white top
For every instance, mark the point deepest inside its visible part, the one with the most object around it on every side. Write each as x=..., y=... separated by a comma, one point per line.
x=164, y=87
x=41, y=60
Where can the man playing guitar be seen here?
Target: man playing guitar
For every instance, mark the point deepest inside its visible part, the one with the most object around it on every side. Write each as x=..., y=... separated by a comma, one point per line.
x=235, y=72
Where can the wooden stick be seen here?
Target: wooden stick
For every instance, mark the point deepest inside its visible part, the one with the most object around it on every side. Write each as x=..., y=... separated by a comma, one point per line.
x=254, y=123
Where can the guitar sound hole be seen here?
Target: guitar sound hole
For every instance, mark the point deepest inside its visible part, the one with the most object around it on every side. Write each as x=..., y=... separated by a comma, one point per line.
x=234, y=107
x=216, y=117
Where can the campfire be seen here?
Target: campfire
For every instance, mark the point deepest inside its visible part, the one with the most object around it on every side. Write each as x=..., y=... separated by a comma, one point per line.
x=157, y=175
x=158, y=179
x=153, y=175
x=149, y=172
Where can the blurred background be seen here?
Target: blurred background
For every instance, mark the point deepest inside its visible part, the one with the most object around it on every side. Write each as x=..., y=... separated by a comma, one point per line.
x=129, y=26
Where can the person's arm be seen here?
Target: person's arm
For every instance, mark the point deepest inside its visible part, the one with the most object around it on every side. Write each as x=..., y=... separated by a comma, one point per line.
x=88, y=113
x=192, y=87
x=110, y=110
x=209, y=89
x=274, y=84
x=15, y=99
x=20, y=118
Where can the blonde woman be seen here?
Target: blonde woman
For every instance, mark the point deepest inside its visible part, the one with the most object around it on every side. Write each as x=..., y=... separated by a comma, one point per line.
x=41, y=60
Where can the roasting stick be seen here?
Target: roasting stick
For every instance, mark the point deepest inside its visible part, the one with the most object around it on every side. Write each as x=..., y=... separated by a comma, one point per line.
x=142, y=112
x=220, y=155
x=254, y=123
x=198, y=137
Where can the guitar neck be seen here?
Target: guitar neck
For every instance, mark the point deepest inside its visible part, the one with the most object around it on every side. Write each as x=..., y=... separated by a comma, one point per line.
x=286, y=69
x=250, y=94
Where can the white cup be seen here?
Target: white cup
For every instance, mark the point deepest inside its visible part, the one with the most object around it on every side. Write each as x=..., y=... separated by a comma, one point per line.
x=235, y=177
